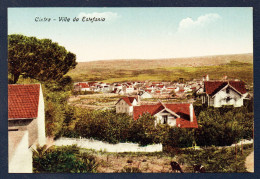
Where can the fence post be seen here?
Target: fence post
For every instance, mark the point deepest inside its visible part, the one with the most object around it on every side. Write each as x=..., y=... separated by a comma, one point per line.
x=241, y=146
x=236, y=156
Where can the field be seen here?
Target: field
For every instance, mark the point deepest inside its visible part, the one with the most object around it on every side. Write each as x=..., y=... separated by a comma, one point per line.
x=94, y=101
x=223, y=159
x=234, y=66
x=108, y=100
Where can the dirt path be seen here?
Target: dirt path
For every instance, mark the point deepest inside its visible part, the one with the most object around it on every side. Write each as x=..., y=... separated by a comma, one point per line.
x=250, y=162
x=147, y=164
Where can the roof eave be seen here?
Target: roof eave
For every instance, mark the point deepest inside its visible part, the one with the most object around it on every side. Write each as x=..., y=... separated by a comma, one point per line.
x=21, y=118
x=226, y=87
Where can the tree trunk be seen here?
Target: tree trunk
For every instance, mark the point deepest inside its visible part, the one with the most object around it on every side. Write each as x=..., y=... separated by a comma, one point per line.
x=15, y=77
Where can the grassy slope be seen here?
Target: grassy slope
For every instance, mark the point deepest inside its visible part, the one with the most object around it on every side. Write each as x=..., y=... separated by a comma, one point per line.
x=225, y=159
x=234, y=66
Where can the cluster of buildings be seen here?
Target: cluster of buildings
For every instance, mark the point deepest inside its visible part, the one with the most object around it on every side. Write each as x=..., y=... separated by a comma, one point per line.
x=144, y=89
x=216, y=93
x=26, y=119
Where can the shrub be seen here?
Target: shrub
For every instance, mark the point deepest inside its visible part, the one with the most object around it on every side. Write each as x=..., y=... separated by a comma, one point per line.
x=128, y=169
x=180, y=137
x=223, y=126
x=63, y=160
x=216, y=126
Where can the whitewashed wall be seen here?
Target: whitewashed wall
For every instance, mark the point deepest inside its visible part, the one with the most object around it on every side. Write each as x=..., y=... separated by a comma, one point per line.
x=220, y=98
x=21, y=159
x=171, y=118
x=123, y=107
x=41, y=120
x=146, y=95
x=99, y=145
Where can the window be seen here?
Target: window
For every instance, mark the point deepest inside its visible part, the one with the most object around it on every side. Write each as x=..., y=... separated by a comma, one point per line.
x=165, y=119
x=228, y=99
x=227, y=90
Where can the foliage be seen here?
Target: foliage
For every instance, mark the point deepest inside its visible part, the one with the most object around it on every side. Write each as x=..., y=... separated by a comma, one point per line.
x=113, y=128
x=56, y=108
x=180, y=137
x=225, y=159
x=43, y=61
x=128, y=169
x=217, y=126
x=223, y=126
x=63, y=160
x=40, y=59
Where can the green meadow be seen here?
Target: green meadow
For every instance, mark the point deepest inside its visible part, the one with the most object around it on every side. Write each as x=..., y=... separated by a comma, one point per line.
x=234, y=66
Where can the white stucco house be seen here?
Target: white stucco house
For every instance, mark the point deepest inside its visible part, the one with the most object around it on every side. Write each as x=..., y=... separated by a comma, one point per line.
x=26, y=125
x=145, y=95
x=220, y=93
x=126, y=104
x=84, y=87
x=176, y=115
x=129, y=89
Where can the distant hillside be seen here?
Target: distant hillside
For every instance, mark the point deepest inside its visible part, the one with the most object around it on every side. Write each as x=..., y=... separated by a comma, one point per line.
x=160, y=69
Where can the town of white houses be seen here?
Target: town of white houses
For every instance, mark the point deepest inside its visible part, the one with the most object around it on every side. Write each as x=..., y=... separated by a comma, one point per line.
x=144, y=90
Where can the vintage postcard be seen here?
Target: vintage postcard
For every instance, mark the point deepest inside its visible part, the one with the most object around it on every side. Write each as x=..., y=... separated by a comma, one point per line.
x=130, y=90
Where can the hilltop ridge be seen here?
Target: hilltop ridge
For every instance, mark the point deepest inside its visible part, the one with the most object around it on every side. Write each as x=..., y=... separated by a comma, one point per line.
x=235, y=66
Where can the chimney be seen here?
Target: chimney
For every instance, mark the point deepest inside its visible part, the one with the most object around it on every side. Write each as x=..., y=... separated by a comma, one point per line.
x=225, y=77
x=191, y=112
x=138, y=100
x=207, y=78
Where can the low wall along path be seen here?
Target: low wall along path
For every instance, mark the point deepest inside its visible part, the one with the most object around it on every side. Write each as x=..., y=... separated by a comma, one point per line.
x=104, y=146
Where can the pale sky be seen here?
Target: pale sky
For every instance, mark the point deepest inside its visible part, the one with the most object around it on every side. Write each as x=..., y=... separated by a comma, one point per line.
x=140, y=33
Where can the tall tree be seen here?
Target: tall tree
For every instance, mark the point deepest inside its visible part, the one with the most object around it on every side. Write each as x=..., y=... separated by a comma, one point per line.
x=40, y=59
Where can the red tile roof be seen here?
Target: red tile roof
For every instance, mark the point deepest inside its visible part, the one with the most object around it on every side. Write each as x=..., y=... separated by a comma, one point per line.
x=84, y=85
x=182, y=110
x=92, y=83
x=152, y=109
x=239, y=86
x=128, y=100
x=160, y=86
x=148, y=91
x=212, y=87
x=23, y=101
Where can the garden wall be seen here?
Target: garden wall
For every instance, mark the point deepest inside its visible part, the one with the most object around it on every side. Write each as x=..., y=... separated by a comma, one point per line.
x=104, y=146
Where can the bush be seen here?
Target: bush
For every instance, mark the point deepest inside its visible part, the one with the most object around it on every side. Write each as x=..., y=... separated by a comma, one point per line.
x=215, y=159
x=63, y=160
x=223, y=126
x=113, y=128
x=180, y=137
x=128, y=169
x=216, y=126
x=56, y=107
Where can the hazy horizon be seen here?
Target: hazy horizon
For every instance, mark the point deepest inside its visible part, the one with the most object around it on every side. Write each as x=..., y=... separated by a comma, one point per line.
x=166, y=58
x=140, y=33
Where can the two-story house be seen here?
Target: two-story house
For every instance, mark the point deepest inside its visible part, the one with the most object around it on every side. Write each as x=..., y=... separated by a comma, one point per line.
x=219, y=93
x=126, y=104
